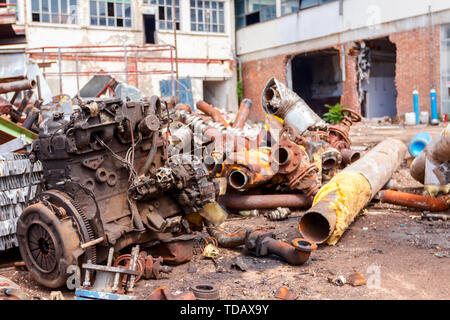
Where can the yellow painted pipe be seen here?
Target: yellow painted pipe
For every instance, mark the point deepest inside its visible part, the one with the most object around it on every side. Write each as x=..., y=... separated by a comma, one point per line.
x=337, y=203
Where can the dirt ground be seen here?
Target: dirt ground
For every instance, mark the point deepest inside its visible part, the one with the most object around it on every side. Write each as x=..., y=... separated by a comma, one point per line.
x=400, y=255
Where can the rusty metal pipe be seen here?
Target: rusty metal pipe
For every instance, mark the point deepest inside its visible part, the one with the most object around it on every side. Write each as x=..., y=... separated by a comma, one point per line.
x=414, y=200
x=319, y=223
x=225, y=239
x=263, y=242
x=238, y=179
x=284, y=103
x=292, y=254
x=265, y=201
x=212, y=112
x=242, y=115
x=17, y=86
x=434, y=154
x=349, y=156
x=338, y=202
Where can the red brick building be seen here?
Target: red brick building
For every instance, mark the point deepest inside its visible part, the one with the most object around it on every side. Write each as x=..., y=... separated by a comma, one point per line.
x=367, y=57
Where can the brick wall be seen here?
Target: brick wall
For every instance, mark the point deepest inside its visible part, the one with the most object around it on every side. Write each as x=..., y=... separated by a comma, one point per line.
x=255, y=75
x=413, y=67
x=349, y=97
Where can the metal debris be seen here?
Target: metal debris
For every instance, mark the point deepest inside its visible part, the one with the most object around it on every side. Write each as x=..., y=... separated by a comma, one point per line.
x=163, y=293
x=338, y=281
x=285, y=294
x=206, y=291
x=356, y=279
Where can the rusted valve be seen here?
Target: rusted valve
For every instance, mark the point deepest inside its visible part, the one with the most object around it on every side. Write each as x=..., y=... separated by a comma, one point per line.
x=147, y=266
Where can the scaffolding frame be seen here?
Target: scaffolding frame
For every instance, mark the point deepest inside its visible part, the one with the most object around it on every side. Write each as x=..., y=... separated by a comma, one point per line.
x=127, y=54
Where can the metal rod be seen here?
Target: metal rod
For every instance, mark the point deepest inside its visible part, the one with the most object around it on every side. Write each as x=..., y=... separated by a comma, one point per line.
x=125, y=58
x=78, y=75
x=92, y=243
x=174, y=19
x=60, y=71
x=17, y=86
x=414, y=200
x=266, y=201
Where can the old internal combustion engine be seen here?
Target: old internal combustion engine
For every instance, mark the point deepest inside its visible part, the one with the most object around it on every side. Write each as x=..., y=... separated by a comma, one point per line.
x=109, y=181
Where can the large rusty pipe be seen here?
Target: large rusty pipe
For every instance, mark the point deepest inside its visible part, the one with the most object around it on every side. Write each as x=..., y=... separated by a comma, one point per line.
x=338, y=202
x=242, y=115
x=17, y=86
x=212, y=112
x=266, y=201
x=284, y=103
x=435, y=153
x=414, y=200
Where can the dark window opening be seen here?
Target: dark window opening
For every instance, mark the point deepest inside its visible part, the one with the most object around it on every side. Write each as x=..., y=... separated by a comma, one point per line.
x=110, y=9
x=36, y=17
x=161, y=13
x=149, y=28
x=317, y=79
x=252, y=18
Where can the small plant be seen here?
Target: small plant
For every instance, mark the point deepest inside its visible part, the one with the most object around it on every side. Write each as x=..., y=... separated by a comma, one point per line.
x=240, y=89
x=334, y=114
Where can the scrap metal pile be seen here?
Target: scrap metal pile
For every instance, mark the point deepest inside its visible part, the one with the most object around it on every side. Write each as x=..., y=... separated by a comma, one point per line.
x=154, y=174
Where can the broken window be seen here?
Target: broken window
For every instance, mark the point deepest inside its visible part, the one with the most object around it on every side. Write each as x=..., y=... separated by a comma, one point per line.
x=165, y=16
x=111, y=13
x=54, y=11
x=253, y=11
x=207, y=16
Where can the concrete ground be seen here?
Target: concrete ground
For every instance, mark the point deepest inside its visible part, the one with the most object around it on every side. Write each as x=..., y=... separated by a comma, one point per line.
x=400, y=255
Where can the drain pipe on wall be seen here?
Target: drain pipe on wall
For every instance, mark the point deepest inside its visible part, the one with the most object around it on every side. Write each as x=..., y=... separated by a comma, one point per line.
x=337, y=203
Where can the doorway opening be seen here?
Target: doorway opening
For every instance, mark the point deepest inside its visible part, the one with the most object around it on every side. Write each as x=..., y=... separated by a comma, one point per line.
x=380, y=93
x=149, y=28
x=317, y=78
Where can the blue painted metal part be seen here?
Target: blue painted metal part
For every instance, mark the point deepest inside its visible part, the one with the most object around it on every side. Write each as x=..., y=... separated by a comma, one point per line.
x=418, y=143
x=185, y=90
x=416, y=105
x=82, y=294
x=434, y=112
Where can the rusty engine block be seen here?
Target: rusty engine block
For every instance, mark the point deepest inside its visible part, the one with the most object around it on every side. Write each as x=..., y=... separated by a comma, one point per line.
x=94, y=197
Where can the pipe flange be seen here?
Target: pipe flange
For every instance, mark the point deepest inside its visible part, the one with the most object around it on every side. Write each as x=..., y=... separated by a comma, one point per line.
x=206, y=291
x=304, y=245
x=101, y=174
